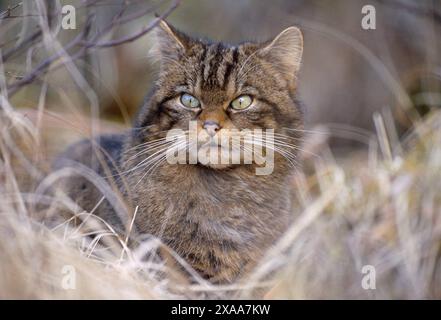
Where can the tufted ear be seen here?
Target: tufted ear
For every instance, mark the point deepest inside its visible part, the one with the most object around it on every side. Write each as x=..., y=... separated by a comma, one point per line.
x=169, y=42
x=285, y=51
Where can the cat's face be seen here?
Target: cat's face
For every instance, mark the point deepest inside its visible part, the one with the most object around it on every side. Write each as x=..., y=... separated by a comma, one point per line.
x=225, y=89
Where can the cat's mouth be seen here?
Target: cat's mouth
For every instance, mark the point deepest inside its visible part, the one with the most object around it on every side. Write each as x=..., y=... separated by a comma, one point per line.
x=214, y=154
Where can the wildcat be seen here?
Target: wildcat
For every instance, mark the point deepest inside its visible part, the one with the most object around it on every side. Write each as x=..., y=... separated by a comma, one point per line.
x=219, y=218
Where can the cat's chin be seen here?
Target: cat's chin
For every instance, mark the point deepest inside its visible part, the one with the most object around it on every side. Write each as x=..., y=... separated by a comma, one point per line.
x=220, y=161
x=217, y=166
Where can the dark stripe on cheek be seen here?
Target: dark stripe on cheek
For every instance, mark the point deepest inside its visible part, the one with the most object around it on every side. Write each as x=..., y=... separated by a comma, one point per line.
x=173, y=116
x=167, y=98
x=272, y=104
x=201, y=63
x=275, y=110
x=149, y=118
x=171, y=113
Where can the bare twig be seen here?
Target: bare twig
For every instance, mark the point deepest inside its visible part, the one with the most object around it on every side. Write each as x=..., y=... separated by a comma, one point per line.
x=44, y=65
x=25, y=43
x=7, y=12
x=139, y=34
x=31, y=39
x=80, y=41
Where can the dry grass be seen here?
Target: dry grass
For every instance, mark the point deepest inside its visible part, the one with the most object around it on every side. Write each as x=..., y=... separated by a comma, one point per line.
x=383, y=213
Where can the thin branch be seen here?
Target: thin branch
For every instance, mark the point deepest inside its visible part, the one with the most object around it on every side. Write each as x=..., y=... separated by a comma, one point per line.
x=30, y=40
x=118, y=19
x=45, y=64
x=7, y=12
x=139, y=34
x=25, y=43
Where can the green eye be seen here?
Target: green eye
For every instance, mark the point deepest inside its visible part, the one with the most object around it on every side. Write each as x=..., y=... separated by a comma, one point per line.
x=189, y=101
x=242, y=102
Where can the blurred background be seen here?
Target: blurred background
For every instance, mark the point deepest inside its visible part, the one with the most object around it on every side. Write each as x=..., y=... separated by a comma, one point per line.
x=348, y=73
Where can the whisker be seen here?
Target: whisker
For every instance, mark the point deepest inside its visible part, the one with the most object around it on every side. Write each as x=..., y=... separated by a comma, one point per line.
x=306, y=130
x=286, y=154
x=160, y=159
x=152, y=156
x=148, y=149
x=173, y=145
x=151, y=141
x=288, y=137
x=285, y=144
x=138, y=146
x=239, y=75
x=156, y=163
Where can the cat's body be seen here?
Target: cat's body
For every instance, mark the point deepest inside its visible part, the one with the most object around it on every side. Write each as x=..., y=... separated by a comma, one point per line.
x=220, y=218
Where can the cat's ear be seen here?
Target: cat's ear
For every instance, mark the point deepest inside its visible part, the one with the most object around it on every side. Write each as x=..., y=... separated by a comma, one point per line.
x=285, y=50
x=169, y=42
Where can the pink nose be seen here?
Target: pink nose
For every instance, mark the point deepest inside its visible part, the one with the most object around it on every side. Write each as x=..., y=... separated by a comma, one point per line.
x=211, y=127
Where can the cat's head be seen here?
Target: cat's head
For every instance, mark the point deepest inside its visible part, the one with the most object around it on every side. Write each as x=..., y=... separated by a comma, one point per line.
x=224, y=88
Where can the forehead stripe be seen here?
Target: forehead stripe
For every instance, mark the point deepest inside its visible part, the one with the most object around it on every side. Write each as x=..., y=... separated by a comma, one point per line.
x=229, y=67
x=208, y=63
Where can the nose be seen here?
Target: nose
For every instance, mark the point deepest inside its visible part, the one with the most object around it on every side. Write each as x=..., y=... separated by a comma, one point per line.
x=211, y=127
